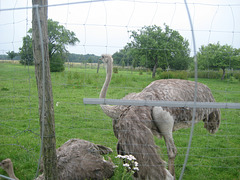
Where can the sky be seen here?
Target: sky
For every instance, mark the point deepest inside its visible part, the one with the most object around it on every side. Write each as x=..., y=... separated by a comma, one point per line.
x=104, y=26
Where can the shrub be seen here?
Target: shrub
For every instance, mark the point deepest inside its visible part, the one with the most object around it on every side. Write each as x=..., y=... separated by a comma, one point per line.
x=237, y=75
x=115, y=70
x=173, y=75
x=182, y=75
x=213, y=74
x=206, y=74
x=69, y=75
x=76, y=75
x=159, y=70
x=166, y=75
x=57, y=63
x=232, y=79
x=4, y=89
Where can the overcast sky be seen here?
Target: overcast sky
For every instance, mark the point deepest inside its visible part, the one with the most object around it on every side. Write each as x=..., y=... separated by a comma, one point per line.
x=103, y=27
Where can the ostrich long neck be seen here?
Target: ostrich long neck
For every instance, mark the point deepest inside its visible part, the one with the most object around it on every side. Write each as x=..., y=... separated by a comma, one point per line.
x=108, y=110
x=107, y=80
x=11, y=173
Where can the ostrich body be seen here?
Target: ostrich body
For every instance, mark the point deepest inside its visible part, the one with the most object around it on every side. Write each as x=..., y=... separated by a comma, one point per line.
x=144, y=122
x=78, y=159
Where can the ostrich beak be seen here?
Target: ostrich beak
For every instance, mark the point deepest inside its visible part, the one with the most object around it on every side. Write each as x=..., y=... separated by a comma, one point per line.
x=1, y=164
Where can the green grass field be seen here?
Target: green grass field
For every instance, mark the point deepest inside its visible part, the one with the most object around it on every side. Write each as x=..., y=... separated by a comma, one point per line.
x=211, y=157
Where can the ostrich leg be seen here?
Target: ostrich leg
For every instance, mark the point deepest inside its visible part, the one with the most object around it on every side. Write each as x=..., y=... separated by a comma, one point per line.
x=165, y=122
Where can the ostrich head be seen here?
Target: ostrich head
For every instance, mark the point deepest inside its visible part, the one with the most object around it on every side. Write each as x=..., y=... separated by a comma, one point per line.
x=106, y=58
x=7, y=165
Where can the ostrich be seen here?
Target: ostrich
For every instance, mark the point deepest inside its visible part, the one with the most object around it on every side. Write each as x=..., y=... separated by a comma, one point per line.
x=76, y=159
x=135, y=124
x=7, y=165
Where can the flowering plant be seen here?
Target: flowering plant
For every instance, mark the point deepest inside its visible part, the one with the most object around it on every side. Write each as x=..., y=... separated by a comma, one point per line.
x=130, y=164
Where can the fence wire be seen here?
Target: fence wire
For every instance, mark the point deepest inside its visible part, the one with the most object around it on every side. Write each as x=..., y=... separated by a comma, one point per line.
x=83, y=123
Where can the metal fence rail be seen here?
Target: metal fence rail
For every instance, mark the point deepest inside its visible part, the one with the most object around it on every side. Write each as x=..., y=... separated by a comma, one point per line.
x=187, y=104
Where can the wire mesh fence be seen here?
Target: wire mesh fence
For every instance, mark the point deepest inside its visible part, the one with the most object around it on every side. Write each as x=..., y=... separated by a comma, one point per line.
x=100, y=31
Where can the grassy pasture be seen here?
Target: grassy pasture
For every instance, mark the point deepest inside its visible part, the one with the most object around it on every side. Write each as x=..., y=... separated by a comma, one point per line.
x=211, y=157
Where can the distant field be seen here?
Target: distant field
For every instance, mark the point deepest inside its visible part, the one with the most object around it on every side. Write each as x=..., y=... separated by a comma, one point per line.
x=10, y=61
x=211, y=157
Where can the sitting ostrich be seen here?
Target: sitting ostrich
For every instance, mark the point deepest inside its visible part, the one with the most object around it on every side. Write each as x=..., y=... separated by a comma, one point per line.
x=76, y=159
x=134, y=126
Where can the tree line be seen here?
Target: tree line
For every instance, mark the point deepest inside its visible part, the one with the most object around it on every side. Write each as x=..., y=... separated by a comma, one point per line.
x=152, y=47
x=70, y=57
x=155, y=47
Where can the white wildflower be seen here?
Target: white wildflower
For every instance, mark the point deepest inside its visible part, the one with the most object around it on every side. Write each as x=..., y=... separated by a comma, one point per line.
x=119, y=156
x=131, y=157
x=135, y=169
x=57, y=103
x=136, y=164
x=126, y=165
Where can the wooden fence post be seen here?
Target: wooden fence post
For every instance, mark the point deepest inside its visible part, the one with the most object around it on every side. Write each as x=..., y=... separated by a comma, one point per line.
x=42, y=73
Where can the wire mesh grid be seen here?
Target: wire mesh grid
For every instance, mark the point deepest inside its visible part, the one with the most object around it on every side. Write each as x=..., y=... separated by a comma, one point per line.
x=20, y=136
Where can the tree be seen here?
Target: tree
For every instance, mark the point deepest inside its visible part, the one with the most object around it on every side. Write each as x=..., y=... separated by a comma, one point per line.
x=58, y=37
x=118, y=56
x=123, y=57
x=11, y=54
x=89, y=60
x=57, y=62
x=216, y=56
x=155, y=47
x=44, y=85
x=26, y=51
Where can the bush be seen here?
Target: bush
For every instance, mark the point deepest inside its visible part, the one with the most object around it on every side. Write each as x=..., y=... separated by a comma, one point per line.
x=237, y=75
x=232, y=79
x=166, y=75
x=210, y=74
x=57, y=63
x=115, y=70
x=159, y=70
x=76, y=75
x=206, y=74
x=173, y=75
